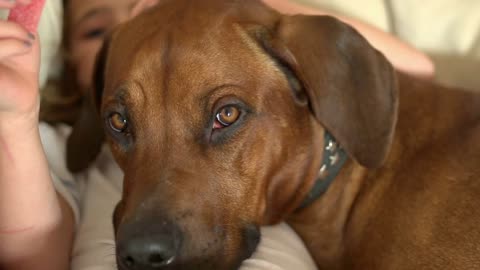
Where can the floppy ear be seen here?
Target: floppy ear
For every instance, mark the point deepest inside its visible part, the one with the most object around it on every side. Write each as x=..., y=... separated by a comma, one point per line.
x=87, y=137
x=351, y=87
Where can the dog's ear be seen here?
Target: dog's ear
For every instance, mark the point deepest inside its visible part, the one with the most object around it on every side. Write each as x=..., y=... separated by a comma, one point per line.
x=87, y=137
x=350, y=87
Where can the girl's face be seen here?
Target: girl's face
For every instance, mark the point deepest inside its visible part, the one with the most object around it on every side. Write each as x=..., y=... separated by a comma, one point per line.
x=89, y=21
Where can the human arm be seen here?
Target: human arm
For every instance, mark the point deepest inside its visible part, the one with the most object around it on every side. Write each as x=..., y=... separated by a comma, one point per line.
x=36, y=224
x=403, y=56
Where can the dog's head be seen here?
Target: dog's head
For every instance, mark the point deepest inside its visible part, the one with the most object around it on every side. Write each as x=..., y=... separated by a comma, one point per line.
x=216, y=110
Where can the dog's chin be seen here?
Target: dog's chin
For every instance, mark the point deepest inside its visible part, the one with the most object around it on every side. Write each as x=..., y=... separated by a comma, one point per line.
x=251, y=237
x=198, y=264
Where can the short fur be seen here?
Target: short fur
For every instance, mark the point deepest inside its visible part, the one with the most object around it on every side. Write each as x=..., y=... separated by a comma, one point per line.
x=408, y=198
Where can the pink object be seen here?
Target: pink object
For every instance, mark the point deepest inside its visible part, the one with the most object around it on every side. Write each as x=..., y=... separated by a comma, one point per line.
x=28, y=16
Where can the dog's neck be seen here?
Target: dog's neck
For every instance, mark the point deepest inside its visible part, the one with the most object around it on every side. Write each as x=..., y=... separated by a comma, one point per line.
x=338, y=219
x=322, y=224
x=334, y=157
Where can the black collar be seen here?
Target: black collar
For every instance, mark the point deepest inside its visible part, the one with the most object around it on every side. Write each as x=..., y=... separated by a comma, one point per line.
x=334, y=157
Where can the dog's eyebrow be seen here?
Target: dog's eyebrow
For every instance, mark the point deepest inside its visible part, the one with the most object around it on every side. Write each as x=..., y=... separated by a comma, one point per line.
x=214, y=93
x=214, y=90
x=130, y=92
x=122, y=95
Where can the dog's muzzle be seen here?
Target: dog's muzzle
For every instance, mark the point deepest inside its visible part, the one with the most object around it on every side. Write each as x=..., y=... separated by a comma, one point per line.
x=148, y=245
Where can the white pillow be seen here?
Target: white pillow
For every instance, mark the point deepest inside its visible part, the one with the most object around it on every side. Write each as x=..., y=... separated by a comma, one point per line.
x=50, y=31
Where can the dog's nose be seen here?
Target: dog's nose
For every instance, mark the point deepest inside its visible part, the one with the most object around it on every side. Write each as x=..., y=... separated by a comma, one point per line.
x=147, y=250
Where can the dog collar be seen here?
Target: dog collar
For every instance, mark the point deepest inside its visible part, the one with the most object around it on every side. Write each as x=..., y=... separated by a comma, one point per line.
x=334, y=158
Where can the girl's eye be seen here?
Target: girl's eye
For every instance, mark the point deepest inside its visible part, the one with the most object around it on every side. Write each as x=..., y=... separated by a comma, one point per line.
x=118, y=122
x=226, y=117
x=94, y=33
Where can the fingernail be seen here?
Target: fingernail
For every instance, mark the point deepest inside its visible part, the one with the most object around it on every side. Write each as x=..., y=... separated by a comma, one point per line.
x=31, y=36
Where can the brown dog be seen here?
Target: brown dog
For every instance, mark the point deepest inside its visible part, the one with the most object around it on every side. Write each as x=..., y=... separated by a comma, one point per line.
x=217, y=113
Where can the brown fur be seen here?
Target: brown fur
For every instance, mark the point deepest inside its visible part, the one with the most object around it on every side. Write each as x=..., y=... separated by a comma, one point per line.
x=406, y=199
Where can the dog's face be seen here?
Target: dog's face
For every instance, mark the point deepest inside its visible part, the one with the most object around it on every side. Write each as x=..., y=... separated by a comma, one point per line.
x=199, y=119
x=213, y=113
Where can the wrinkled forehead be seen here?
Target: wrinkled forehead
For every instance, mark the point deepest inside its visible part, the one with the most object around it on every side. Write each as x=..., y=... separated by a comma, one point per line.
x=193, y=34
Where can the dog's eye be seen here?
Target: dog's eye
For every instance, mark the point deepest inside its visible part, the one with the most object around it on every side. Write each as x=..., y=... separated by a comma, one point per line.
x=226, y=116
x=118, y=122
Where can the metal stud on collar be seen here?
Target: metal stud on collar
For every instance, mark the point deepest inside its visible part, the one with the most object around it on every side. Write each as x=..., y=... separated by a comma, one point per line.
x=334, y=157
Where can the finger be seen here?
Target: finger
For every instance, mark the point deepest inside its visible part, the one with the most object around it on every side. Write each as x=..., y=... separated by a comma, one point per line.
x=13, y=47
x=14, y=30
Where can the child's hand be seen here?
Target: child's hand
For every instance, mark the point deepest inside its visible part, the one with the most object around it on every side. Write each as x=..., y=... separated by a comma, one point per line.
x=19, y=67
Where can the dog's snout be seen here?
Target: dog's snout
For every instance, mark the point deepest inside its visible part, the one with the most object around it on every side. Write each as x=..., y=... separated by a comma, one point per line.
x=147, y=249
